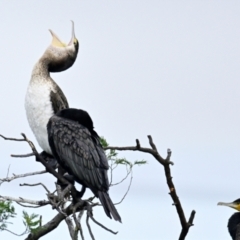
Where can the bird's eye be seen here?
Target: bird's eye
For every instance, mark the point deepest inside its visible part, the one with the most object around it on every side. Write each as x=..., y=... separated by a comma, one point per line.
x=75, y=42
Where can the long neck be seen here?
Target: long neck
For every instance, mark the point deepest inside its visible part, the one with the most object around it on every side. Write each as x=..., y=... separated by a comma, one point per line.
x=40, y=70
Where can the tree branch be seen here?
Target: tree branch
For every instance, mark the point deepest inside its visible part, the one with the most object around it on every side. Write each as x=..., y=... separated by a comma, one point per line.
x=9, y=179
x=173, y=193
x=33, y=185
x=52, y=224
x=24, y=200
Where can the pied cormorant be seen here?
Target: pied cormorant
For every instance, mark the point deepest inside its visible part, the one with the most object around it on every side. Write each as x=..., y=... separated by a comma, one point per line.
x=234, y=220
x=66, y=133
x=44, y=97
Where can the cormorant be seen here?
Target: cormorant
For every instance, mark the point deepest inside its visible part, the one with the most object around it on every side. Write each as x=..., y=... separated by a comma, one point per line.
x=77, y=148
x=69, y=134
x=234, y=220
x=44, y=97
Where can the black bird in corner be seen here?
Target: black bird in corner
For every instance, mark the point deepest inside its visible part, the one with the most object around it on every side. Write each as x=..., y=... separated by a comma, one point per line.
x=234, y=220
x=77, y=148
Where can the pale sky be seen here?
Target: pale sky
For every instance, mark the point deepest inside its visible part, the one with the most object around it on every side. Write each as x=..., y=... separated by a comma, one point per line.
x=165, y=68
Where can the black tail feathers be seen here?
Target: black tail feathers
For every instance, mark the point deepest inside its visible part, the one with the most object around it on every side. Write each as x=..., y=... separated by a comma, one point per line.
x=108, y=206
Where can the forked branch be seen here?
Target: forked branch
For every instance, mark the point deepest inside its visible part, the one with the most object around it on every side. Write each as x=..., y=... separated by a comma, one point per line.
x=173, y=193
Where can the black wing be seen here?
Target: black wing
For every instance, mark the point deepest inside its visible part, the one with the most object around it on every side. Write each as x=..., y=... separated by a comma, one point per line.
x=79, y=152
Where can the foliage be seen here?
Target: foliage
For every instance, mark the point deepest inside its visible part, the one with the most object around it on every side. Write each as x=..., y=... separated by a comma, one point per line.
x=112, y=156
x=7, y=211
x=31, y=223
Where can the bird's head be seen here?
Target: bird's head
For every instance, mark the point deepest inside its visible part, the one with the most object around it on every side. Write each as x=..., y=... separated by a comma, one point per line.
x=235, y=204
x=61, y=56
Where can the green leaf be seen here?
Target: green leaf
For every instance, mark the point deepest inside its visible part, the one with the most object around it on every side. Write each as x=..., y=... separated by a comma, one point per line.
x=7, y=211
x=30, y=221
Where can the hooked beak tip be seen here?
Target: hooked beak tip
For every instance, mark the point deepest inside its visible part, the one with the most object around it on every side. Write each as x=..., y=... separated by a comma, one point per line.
x=73, y=34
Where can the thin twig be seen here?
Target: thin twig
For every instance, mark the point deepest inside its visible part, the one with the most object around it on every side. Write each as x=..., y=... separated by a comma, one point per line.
x=128, y=172
x=8, y=171
x=12, y=139
x=79, y=219
x=24, y=200
x=5, y=229
x=129, y=186
x=89, y=228
x=99, y=224
x=111, y=173
x=22, y=155
x=36, y=184
x=9, y=179
x=29, y=206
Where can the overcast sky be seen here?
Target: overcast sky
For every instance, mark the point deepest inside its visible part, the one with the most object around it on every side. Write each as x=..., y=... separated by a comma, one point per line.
x=165, y=68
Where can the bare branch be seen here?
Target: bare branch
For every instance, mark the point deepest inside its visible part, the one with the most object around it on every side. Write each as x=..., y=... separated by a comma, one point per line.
x=99, y=224
x=129, y=186
x=151, y=143
x=89, y=228
x=72, y=231
x=79, y=219
x=24, y=200
x=128, y=172
x=5, y=229
x=166, y=164
x=8, y=171
x=9, y=179
x=22, y=155
x=29, y=206
x=36, y=184
x=12, y=139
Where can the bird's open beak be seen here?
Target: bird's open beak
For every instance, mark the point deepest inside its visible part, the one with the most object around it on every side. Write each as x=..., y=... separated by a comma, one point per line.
x=73, y=39
x=232, y=205
x=56, y=42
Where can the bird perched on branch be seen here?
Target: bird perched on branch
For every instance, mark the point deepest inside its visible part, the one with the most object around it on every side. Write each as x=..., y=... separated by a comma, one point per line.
x=66, y=133
x=234, y=220
x=76, y=146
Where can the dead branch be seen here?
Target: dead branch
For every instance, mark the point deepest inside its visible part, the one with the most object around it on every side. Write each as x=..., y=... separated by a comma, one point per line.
x=79, y=219
x=72, y=231
x=52, y=224
x=33, y=185
x=19, y=235
x=99, y=224
x=89, y=228
x=29, y=206
x=22, y=155
x=129, y=186
x=13, y=139
x=24, y=200
x=173, y=193
x=9, y=179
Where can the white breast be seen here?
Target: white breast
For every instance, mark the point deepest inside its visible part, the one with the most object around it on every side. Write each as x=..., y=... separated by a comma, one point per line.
x=39, y=110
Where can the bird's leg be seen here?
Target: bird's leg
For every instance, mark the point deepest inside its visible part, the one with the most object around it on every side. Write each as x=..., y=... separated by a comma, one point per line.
x=71, y=179
x=49, y=159
x=81, y=193
x=62, y=172
x=77, y=196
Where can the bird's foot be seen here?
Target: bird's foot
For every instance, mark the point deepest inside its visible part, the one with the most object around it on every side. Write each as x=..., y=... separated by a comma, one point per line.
x=49, y=159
